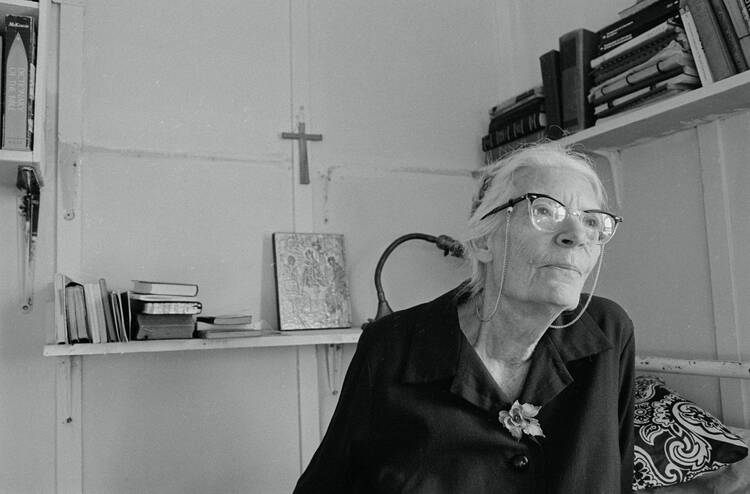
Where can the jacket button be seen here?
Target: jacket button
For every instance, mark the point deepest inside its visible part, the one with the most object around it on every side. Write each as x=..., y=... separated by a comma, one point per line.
x=520, y=462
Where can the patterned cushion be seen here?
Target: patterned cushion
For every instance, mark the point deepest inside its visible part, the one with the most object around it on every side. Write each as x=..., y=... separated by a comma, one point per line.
x=676, y=440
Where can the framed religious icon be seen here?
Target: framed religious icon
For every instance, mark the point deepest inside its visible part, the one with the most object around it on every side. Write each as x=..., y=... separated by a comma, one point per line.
x=311, y=283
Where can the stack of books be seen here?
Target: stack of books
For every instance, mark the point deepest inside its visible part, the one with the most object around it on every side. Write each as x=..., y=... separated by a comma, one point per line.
x=229, y=326
x=655, y=50
x=87, y=312
x=163, y=310
x=719, y=35
x=643, y=57
x=514, y=122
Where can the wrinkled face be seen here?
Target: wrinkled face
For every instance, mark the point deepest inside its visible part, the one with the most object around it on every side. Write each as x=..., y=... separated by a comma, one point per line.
x=547, y=268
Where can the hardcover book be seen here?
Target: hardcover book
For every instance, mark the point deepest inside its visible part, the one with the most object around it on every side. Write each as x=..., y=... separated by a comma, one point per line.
x=311, y=283
x=16, y=50
x=109, y=320
x=165, y=288
x=232, y=333
x=576, y=50
x=166, y=307
x=64, y=317
x=94, y=312
x=718, y=57
x=741, y=22
x=696, y=47
x=76, y=304
x=549, y=63
x=226, y=319
x=731, y=39
x=164, y=327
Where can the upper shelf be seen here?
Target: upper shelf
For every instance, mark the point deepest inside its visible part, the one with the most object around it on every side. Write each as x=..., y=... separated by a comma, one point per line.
x=285, y=338
x=671, y=115
x=39, y=11
x=19, y=7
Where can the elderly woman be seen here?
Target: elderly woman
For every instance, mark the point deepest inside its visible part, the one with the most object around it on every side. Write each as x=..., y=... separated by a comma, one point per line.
x=514, y=382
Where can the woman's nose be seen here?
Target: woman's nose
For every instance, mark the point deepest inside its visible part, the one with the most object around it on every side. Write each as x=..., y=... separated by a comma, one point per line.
x=572, y=233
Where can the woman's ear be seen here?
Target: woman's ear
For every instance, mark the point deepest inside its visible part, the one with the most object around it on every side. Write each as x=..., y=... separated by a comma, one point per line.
x=481, y=251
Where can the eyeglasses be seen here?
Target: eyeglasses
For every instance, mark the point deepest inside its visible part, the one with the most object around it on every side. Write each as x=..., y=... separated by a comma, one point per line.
x=547, y=214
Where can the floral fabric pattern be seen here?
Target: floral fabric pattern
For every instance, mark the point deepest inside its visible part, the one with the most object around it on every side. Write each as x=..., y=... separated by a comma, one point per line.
x=676, y=440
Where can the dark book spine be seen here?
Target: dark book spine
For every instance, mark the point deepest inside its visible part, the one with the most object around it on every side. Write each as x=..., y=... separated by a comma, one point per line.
x=730, y=35
x=717, y=53
x=741, y=22
x=576, y=50
x=518, y=128
x=503, y=119
x=638, y=22
x=549, y=63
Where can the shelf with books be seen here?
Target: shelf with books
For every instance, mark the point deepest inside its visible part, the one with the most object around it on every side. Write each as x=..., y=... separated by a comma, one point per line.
x=680, y=112
x=282, y=339
x=34, y=156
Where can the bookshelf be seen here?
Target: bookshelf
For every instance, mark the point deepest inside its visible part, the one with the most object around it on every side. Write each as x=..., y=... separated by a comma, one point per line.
x=680, y=112
x=39, y=11
x=284, y=339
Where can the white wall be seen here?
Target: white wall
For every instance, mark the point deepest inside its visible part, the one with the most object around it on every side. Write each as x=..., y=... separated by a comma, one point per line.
x=184, y=177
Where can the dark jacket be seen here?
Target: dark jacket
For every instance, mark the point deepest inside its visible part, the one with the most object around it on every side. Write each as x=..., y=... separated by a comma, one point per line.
x=418, y=411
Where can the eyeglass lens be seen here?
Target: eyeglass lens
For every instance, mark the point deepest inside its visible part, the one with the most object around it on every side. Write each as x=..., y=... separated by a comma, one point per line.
x=548, y=214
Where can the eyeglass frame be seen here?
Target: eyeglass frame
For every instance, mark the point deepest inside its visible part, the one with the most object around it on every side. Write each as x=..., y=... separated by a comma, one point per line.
x=532, y=196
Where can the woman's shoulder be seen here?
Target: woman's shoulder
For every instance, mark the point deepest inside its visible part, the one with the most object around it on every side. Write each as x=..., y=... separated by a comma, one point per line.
x=610, y=316
x=399, y=326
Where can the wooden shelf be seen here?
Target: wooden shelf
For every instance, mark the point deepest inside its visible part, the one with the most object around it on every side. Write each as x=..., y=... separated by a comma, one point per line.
x=286, y=338
x=19, y=7
x=16, y=157
x=680, y=112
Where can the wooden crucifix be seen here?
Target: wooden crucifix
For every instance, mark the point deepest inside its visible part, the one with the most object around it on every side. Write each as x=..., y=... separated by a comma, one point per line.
x=302, y=138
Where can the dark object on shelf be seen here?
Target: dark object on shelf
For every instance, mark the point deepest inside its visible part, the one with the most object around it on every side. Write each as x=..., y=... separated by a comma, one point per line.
x=549, y=63
x=577, y=48
x=447, y=244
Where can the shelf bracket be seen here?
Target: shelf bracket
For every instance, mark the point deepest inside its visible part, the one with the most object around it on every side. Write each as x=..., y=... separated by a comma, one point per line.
x=68, y=430
x=334, y=363
x=28, y=228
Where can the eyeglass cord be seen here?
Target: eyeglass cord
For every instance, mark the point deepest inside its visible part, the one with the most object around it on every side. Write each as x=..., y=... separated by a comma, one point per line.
x=502, y=275
x=588, y=300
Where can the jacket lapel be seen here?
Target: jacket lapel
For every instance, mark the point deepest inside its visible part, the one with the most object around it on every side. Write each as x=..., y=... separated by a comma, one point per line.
x=549, y=373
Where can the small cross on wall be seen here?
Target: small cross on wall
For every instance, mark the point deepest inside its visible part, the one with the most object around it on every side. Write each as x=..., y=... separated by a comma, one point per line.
x=302, y=138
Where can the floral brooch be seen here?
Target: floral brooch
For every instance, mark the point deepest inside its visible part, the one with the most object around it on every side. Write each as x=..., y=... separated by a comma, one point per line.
x=520, y=420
